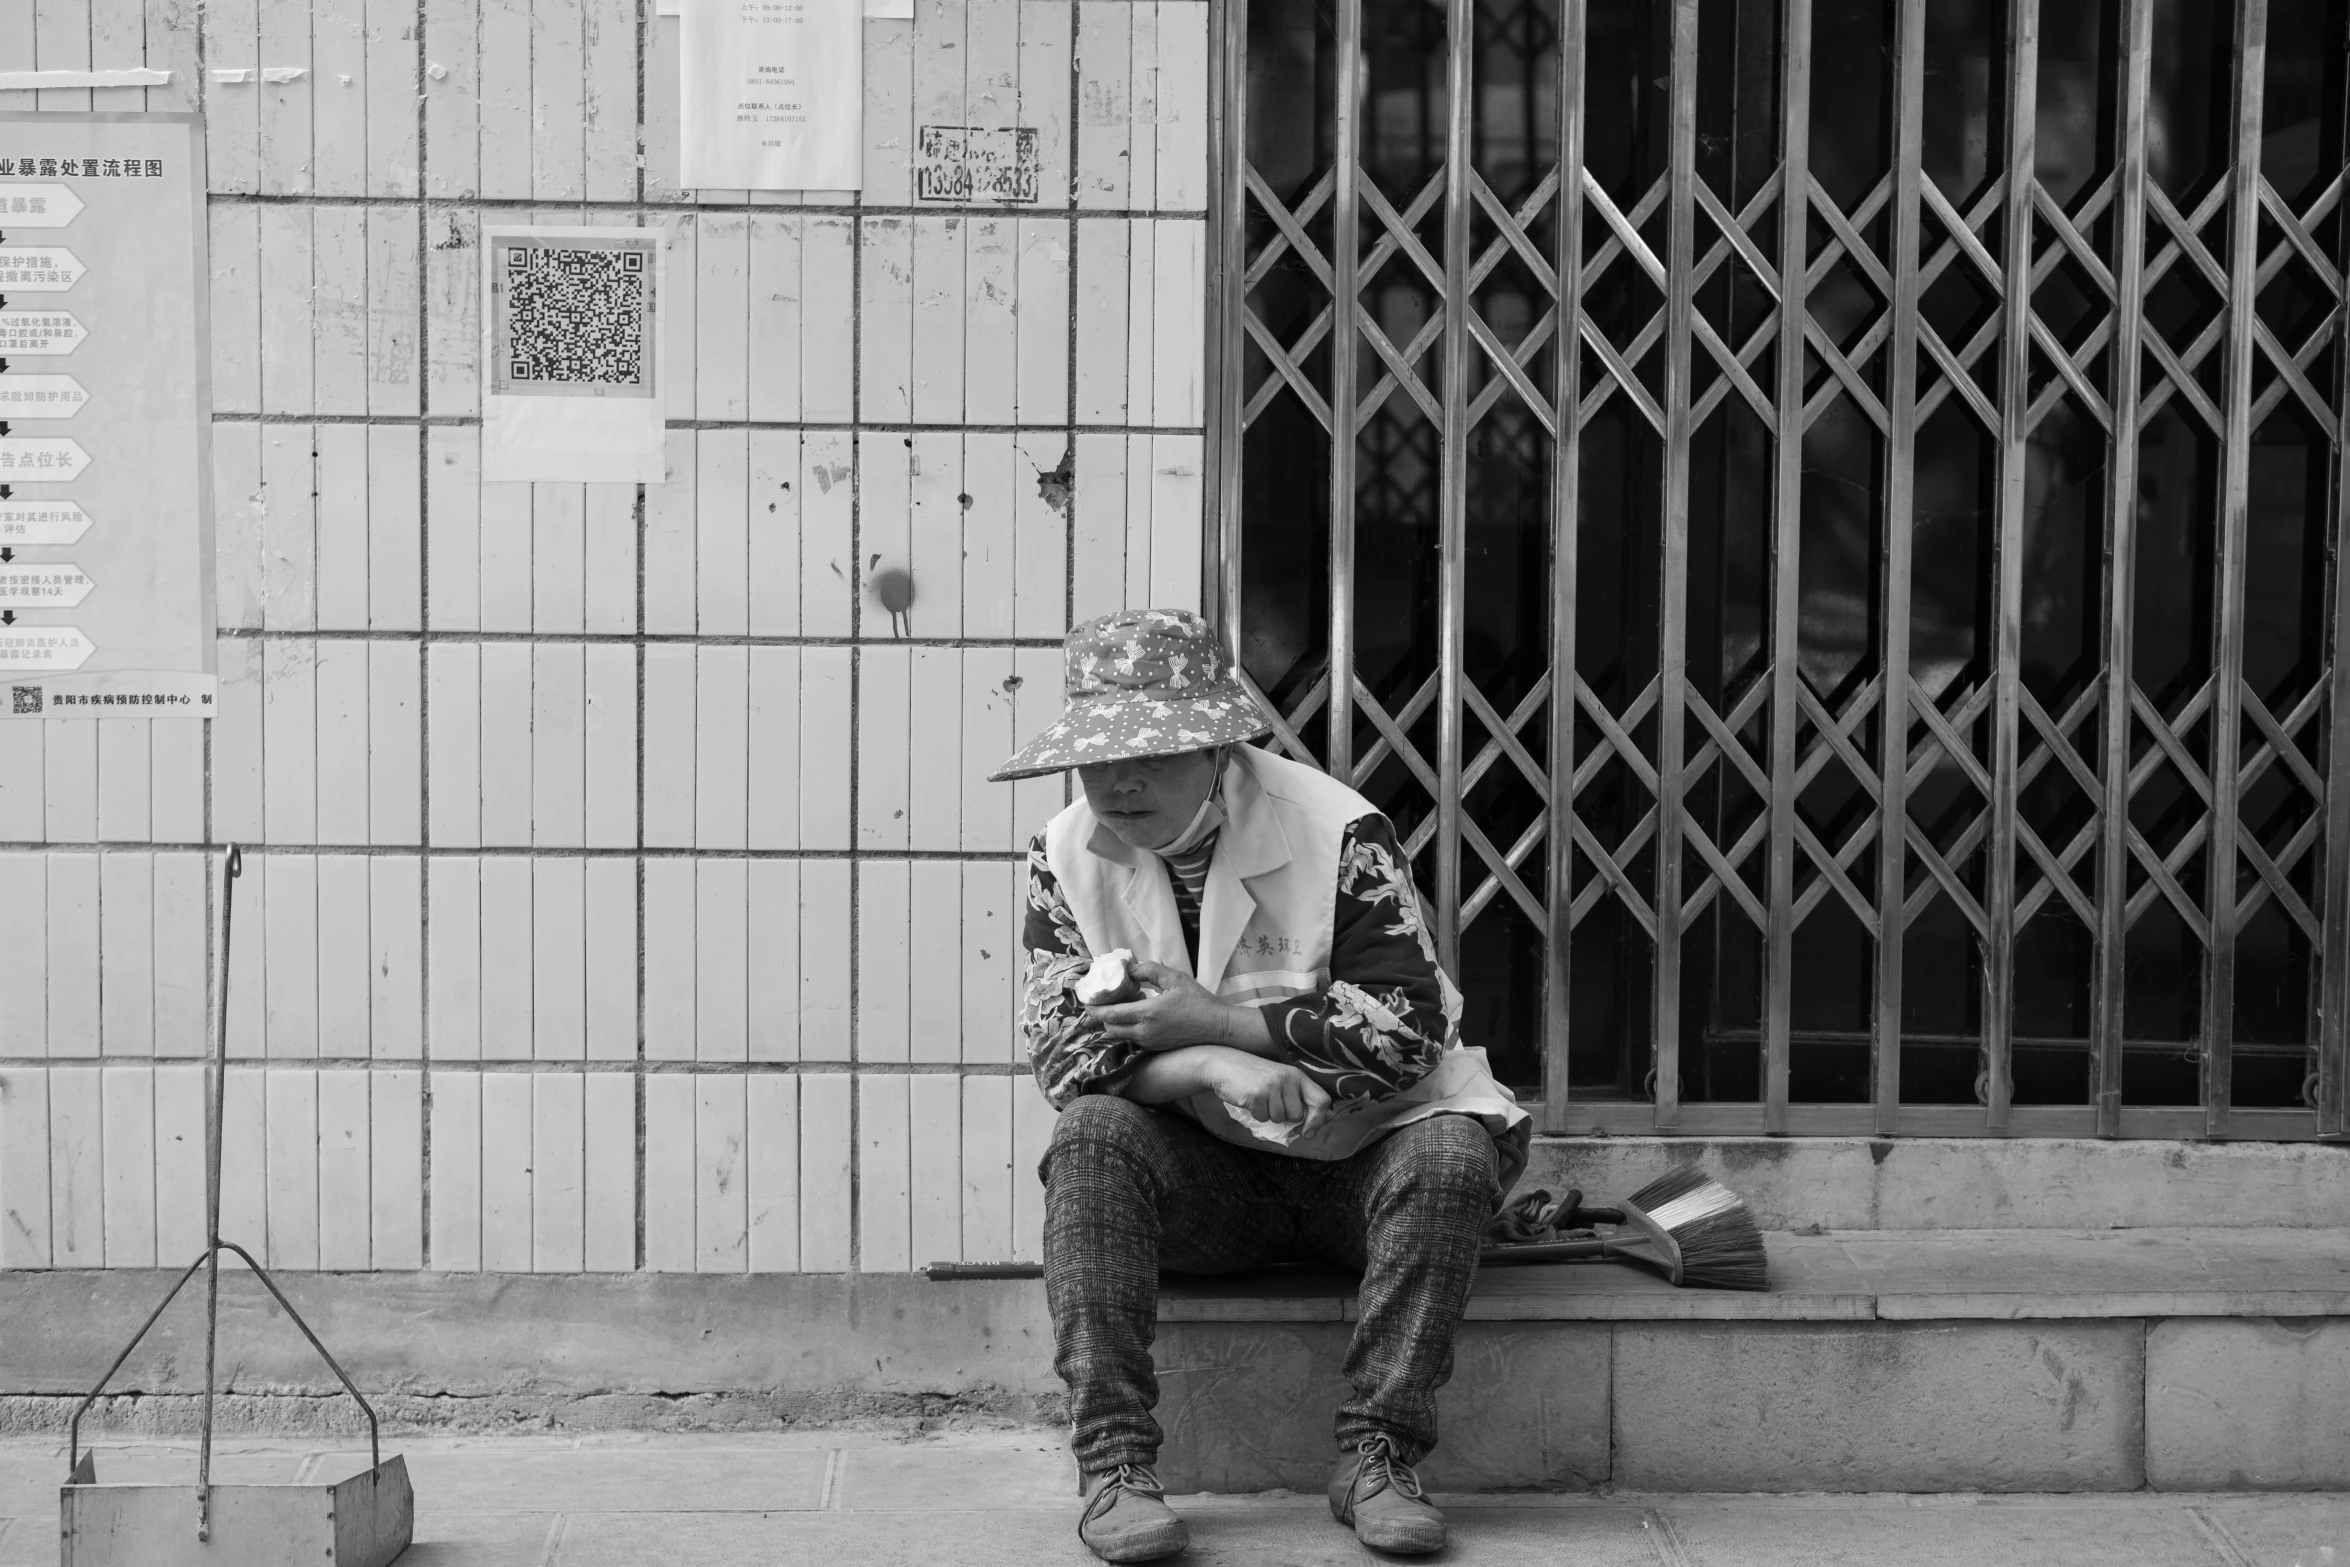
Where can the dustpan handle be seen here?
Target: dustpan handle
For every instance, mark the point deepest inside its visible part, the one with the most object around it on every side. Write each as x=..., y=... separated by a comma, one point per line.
x=214, y=1130
x=74, y=1426
x=374, y=1450
x=215, y=1134
x=235, y=868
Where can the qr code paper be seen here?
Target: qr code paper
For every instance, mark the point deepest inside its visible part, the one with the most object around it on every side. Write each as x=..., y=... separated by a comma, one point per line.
x=28, y=701
x=573, y=319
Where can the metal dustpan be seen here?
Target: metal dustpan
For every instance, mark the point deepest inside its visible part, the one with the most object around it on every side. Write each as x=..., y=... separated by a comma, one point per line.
x=365, y=1520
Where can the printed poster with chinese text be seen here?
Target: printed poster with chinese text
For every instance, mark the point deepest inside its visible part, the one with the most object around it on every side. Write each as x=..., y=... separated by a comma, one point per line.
x=106, y=605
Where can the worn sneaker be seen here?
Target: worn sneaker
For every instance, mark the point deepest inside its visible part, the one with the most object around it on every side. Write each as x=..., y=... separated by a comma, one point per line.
x=1378, y=1494
x=1126, y=1516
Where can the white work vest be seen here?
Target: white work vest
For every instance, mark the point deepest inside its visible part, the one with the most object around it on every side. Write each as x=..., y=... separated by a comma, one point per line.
x=1266, y=926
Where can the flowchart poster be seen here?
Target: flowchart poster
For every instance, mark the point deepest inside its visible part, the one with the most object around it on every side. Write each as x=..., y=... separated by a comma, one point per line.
x=105, y=418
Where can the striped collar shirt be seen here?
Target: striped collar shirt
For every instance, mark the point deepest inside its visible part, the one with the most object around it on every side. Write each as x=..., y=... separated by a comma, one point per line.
x=1187, y=875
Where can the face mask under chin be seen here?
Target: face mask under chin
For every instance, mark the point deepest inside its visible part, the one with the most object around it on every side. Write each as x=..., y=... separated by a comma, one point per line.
x=1204, y=821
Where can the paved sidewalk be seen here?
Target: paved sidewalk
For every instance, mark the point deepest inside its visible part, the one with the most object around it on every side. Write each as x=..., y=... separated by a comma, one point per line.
x=852, y=1498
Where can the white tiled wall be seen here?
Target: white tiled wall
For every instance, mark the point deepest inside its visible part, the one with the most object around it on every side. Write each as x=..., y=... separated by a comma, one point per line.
x=623, y=887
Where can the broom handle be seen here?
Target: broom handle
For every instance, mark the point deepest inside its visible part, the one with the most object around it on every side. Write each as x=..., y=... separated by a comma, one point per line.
x=1491, y=1256
x=1553, y=1251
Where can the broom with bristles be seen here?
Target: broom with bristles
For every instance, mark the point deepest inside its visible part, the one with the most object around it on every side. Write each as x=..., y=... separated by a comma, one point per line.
x=1686, y=1225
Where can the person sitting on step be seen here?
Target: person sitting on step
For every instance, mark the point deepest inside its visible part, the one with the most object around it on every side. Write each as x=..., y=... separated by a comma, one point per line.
x=1290, y=1085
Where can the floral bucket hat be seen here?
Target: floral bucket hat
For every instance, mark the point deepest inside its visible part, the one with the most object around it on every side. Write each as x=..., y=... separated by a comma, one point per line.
x=1142, y=682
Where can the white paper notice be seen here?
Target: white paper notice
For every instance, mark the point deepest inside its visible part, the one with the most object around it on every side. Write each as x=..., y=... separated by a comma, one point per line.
x=875, y=10
x=571, y=349
x=773, y=94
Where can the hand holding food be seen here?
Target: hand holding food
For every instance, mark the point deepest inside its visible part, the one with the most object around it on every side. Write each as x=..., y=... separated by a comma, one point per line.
x=1110, y=981
x=1174, y=1010
x=1281, y=1133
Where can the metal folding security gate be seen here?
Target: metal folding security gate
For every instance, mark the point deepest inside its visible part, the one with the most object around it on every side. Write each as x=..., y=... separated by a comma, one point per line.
x=1818, y=520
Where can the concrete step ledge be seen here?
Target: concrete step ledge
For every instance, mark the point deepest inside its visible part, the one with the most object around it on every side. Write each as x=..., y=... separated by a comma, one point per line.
x=1879, y=1275
x=1884, y=1360
x=2106, y=1404
x=1930, y=1361
x=1967, y=1183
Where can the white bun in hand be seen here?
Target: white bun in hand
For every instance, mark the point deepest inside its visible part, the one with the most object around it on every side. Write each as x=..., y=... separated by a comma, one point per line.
x=1110, y=981
x=1281, y=1132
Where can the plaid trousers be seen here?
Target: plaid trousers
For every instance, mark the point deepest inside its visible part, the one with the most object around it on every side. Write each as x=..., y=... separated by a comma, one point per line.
x=1130, y=1190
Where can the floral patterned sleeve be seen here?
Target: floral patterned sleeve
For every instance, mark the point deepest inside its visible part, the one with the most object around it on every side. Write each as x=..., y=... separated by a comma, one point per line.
x=1390, y=1011
x=1066, y=1049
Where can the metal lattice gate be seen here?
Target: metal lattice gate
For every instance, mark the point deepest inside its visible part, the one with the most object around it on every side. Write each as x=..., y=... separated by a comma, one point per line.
x=1818, y=521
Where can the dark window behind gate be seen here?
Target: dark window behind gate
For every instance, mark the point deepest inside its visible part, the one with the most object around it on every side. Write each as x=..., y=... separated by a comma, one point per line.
x=1817, y=520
